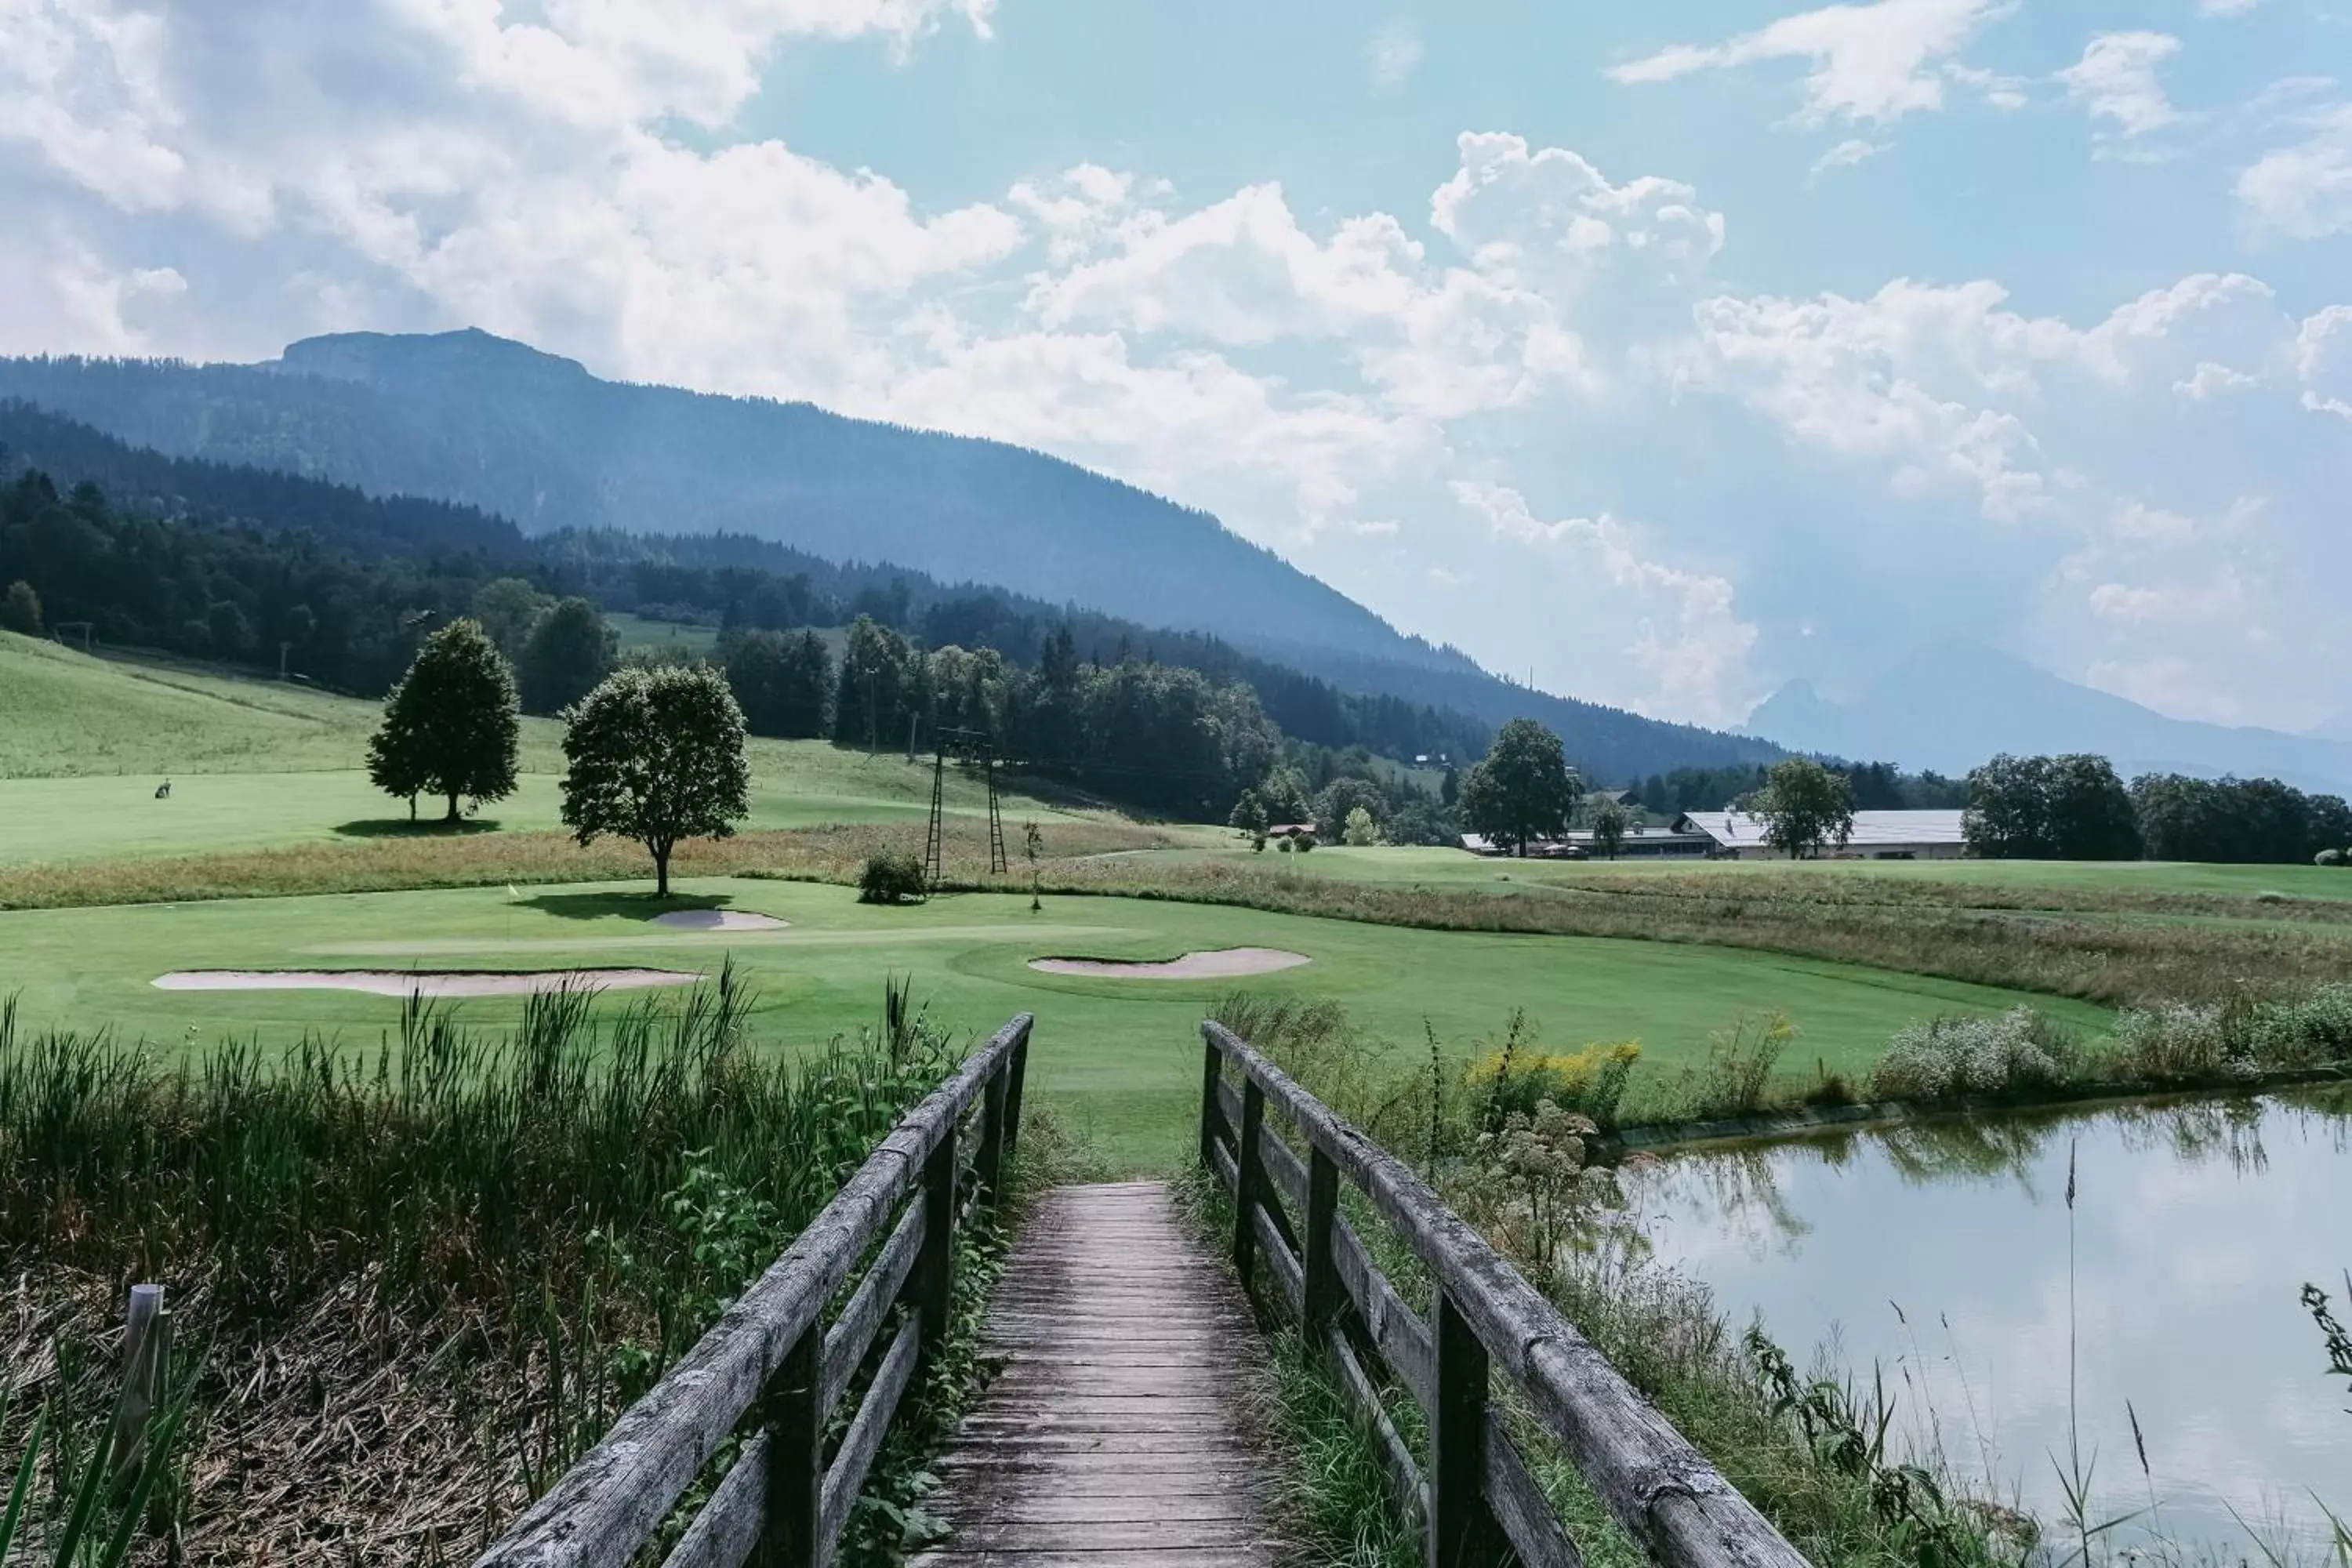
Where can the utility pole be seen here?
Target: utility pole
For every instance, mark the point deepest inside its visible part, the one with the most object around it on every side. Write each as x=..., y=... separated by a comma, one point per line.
x=933, y=849
x=283, y=648
x=997, y=863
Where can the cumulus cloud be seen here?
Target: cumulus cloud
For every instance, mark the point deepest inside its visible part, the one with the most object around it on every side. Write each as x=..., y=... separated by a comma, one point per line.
x=1376, y=393
x=1847, y=153
x=1876, y=61
x=2303, y=190
x=2115, y=80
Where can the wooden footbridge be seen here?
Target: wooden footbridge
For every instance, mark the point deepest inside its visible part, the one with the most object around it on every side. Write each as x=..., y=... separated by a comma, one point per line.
x=1116, y=1433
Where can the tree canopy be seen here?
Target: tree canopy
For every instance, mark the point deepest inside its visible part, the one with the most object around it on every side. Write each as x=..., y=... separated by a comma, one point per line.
x=656, y=755
x=20, y=610
x=570, y=649
x=1804, y=808
x=2070, y=807
x=1524, y=789
x=450, y=726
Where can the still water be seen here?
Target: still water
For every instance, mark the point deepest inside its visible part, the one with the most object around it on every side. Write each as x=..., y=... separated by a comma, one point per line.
x=1941, y=1254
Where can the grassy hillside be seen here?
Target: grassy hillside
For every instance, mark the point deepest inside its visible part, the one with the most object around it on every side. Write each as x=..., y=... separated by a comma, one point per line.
x=258, y=765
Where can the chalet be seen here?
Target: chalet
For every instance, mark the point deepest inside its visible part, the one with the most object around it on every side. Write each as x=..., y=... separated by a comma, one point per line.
x=1876, y=836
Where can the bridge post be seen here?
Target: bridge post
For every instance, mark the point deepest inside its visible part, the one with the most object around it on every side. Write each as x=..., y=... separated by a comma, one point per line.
x=934, y=1281
x=790, y=1533
x=988, y=1164
x=1249, y=1174
x=1017, y=1070
x=1461, y=1528
x=1212, y=1072
x=1324, y=1292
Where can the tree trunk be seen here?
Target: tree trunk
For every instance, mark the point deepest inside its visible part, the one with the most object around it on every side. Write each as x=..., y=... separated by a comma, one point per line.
x=412, y=806
x=661, y=870
x=453, y=808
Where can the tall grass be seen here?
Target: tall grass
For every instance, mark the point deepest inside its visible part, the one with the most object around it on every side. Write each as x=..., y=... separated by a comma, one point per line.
x=427, y=1276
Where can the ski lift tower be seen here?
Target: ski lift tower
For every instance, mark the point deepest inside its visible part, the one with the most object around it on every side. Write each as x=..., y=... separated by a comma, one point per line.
x=967, y=746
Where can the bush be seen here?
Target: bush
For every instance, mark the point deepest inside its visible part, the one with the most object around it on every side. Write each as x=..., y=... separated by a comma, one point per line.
x=891, y=879
x=1306, y=841
x=2184, y=1041
x=2019, y=1051
x=1590, y=1081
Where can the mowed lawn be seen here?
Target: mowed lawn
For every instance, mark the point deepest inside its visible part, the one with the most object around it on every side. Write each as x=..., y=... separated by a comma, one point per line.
x=1119, y=1056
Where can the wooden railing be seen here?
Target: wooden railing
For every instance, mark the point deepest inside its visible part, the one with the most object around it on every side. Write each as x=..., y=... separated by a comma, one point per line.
x=1475, y=1497
x=786, y=1497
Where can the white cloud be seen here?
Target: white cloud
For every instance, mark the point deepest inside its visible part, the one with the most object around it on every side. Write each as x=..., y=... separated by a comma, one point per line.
x=2323, y=360
x=2304, y=191
x=1393, y=55
x=1877, y=61
x=2225, y=7
x=1688, y=634
x=1847, y=153
x=2117, y=79
x=2212, y=380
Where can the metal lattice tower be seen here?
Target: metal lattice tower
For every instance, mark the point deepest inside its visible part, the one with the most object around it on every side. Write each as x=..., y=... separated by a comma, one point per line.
x=932, y=847
x=997, y=863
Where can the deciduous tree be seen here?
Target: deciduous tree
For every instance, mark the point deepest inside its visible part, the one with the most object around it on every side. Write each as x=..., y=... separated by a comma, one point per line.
x=450, y=727
x=1610, y=823
x=656, y=755
x=1804, y=806
x=20, y=610
x=1523, y=790
x=568, y=652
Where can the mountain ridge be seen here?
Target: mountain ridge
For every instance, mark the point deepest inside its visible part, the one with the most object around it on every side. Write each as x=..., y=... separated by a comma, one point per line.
x=1952, y=706
x=477, y=420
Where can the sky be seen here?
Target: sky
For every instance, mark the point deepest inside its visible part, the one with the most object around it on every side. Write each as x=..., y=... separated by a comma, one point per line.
x=1656, y=354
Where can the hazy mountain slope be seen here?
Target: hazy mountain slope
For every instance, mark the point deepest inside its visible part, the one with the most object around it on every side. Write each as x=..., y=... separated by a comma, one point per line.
x=1952, y=707
x=472, y=419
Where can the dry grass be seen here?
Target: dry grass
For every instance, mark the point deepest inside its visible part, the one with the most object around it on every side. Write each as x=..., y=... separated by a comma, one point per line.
x=2112, y=949
x=427, y=858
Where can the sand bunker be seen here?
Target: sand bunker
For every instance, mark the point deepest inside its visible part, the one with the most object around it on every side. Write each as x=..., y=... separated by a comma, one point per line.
x=719, y=919
x=424, y=982
x=1223, y=964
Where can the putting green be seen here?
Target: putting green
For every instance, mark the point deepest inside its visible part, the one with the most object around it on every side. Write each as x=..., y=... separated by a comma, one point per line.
x=1119, y=1056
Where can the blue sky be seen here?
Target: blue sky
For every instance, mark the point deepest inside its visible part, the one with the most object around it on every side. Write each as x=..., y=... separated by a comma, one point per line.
x=1664, y=353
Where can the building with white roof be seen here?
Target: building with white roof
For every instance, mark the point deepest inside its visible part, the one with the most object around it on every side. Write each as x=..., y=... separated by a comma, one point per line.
x=1876, y=836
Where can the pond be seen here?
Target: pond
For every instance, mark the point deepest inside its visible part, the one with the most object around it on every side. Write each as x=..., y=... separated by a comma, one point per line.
x=1944, y=1254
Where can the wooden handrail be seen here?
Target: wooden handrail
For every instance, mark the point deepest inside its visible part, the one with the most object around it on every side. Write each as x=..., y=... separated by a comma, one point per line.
x=784, y=1497
x=1477, y=1495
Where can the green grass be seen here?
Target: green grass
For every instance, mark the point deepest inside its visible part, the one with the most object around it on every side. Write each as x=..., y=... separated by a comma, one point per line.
x=1119, y=1058
x=635, y=632
x=69, y=713
x=257, y=765
x=2012, y=880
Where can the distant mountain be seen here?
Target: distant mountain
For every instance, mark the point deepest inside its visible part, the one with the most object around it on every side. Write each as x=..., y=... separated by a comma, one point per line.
x=1952, y=707
x=479, y=421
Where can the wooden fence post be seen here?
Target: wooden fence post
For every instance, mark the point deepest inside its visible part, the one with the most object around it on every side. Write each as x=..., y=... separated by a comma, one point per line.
x=1212, y=1072
x=1015, y=1072
x=934, y=1283
x=795, y=1506
x=1324, y=1292
x=1461, y=1528
x=145, y=1332
x=1247, y=1174
x=989, y=1163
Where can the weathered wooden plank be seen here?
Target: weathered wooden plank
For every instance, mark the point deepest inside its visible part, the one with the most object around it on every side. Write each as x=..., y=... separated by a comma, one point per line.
x=1110, y=1431
x=847, y=1343
x=1651, y=1478
x=605, y=1506
x=848, y=1473
x=1397, y=1465
x=1132, y=1557
x=726, y=1530
x=1280, y=1261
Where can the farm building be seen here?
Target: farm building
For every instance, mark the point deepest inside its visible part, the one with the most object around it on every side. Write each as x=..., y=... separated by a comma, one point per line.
x=1639, y=844
x=1876, y=836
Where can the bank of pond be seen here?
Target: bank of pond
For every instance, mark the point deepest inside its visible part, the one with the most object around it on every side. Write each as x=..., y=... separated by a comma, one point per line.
x=2115, y=1293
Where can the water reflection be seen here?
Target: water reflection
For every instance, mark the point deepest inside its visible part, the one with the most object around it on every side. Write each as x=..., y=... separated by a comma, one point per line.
x=1941, y=1252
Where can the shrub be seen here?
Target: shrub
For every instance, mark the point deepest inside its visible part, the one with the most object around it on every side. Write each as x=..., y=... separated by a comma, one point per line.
x=2018, y=1051
x=1285, y=845
x=2315, y=1030
x=891, y=879
x=2185, y=1040
x=1590, y=1081
x=1306, y=841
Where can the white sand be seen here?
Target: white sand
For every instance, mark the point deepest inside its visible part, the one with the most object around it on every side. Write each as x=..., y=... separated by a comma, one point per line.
x=425, y=983
x=1223, y=964
x=719, y=919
